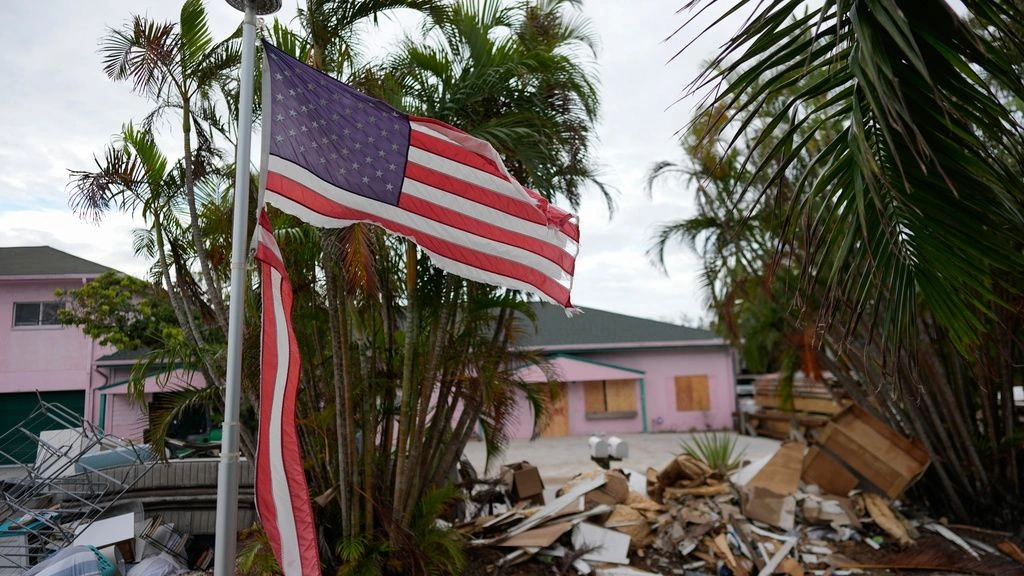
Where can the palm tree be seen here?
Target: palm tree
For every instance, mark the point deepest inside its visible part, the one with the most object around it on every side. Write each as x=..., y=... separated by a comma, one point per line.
x=180, y=67
x=517, y=75
x=135, y=177
x=908, y=217
x=419, y=358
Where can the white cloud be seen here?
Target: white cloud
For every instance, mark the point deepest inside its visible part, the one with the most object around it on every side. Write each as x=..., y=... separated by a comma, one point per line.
x=59, y=109
x=108, y=243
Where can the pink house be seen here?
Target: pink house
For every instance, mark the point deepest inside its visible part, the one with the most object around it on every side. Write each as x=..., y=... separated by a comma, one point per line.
x=40, y=359
x=622, y=374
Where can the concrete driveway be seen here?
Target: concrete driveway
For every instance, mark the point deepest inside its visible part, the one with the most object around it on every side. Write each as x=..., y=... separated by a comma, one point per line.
x=559, y=459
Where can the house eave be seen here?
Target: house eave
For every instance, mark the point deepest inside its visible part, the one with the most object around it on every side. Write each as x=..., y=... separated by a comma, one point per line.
x=612, y=346
x=43, y=277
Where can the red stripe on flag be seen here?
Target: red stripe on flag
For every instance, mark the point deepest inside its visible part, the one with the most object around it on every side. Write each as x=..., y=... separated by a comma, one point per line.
x=268, y=367
x=278, y=405
x=449, y=184
x=312, y=200
x=455, y=219
x=454, y=152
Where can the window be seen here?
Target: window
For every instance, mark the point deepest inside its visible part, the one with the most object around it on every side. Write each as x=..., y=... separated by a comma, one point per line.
x=37, y=313
x=692, y=393
x=610, y=398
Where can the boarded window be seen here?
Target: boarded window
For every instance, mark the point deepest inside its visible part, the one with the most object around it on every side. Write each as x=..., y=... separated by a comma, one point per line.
x=692, y=393
x=610, y=396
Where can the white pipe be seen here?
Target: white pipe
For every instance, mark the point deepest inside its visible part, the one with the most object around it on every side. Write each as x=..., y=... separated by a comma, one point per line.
x=225, y=548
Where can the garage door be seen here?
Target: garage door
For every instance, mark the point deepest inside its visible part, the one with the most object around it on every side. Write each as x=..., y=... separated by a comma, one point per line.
x=16, y=408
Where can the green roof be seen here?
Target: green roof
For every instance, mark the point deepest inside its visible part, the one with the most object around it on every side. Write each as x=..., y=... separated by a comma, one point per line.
x=45, y=261
x=127, y=356
x=600, y=329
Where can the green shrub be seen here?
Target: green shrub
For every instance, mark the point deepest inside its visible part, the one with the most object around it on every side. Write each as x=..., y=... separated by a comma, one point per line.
x=716, y=449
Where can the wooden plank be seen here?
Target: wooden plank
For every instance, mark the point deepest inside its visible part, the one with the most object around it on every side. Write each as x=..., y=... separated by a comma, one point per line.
x=621, y=395
x=540, y=537
x=593, y=397
x=882, y=465
x=558, y=424
x=684, y=394
x=813, y=405
x=701, y=393
x=827, y=473
x=692, y=393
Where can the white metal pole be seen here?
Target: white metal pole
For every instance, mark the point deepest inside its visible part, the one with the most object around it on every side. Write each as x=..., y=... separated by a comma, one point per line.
x=227, y=474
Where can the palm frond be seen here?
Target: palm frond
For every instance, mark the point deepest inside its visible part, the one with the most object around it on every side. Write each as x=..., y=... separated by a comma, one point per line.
x=139, y=53
x=893, y=215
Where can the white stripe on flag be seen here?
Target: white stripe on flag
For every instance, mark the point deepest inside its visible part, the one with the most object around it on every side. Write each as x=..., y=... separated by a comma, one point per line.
x=468, y=272
x=399, y=216
x=264, y=237
x=430, y=131
x=548, y=234
x=291, y=562
x=478, y=275
x=468, y=174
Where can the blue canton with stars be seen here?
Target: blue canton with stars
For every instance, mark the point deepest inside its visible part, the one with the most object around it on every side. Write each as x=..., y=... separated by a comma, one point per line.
x=343, y=136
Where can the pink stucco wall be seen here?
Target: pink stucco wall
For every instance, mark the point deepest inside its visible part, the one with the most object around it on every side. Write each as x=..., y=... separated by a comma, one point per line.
x=44, y=358
x=660, y=368
x=57, y=358
x=127, y=419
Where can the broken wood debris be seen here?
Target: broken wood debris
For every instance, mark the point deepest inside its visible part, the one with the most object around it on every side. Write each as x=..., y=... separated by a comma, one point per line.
x=763, y=519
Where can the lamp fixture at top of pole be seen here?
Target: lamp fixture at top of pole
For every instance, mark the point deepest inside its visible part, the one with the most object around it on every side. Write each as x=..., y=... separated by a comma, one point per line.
x=260, y=7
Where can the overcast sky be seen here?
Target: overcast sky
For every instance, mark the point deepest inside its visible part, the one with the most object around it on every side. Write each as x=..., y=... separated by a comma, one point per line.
x=59, y=109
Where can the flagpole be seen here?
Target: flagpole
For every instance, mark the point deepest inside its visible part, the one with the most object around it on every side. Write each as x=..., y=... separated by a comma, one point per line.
x=227, y=474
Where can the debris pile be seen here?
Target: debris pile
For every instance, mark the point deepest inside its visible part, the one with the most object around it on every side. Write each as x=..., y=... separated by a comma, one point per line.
x=831, y=509
x=811, y=402
x=77, y=507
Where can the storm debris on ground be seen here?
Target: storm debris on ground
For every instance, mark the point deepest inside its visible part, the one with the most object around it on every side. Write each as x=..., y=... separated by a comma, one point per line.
x=833, y=508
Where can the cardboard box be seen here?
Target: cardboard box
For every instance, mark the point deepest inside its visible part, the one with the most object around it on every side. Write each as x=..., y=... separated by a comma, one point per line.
x=827, y=473
x=874, y=451
x=769, y=496
x=524, y=481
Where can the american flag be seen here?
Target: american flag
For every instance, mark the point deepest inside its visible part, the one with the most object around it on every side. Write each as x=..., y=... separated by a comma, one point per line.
x=334, y=156
x=282, y=497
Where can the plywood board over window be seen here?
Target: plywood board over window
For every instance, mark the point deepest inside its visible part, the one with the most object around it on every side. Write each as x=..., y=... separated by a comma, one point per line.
x=692, y=393
x=610, y=398
x=593, y=397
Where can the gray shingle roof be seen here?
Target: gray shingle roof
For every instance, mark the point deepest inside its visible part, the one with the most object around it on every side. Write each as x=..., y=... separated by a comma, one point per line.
x=44, y=261
x=597, y=328
x=126, y=356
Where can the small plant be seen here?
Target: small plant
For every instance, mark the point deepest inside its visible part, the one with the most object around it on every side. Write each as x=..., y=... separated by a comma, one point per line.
x=255, y=556
x=716, y=449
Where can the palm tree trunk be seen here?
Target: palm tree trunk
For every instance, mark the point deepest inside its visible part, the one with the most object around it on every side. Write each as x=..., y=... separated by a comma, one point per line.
x=181, y=312
x=338, y=372
x=471, y=407
x=405, y=416
x=349, y=449
x=213, y=288
x=440, y=335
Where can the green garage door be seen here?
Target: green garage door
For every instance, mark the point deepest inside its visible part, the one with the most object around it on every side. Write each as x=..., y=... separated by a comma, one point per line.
x=19, y=408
